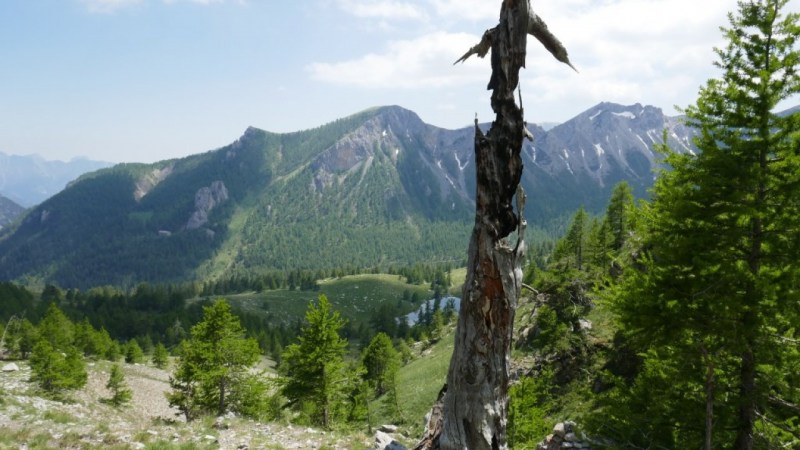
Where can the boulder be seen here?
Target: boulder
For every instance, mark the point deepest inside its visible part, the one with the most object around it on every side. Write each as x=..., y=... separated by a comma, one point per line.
x=11, y=367
x=383, y=441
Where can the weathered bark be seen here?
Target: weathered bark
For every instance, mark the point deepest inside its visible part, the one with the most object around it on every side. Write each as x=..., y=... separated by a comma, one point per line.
x=475, y=405
x=474, y=408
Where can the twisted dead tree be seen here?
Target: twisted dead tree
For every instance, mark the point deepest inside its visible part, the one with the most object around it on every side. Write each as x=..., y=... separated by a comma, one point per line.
x=472, y=411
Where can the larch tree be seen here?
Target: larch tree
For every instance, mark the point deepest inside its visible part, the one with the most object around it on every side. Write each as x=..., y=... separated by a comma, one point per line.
x=313, y=372
x=120, y=392
x=715, y=305
x=619, y=215
x=214, y=364
x=56, y=364
x=474, y=406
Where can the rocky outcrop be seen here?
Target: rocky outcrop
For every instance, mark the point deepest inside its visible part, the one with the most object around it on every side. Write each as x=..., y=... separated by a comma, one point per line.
x=384, y=439
x=206, y=199
x=146, y=184
x=563, y=437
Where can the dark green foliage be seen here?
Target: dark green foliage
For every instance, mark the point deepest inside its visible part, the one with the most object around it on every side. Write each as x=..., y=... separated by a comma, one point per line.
x=314, y=375
x=711, y=305
x=619, y=221
x=16, y=301
x=21, y=336
x=160, y=356
x=133, y=352
x=127, y=224
x=113, y=352
x=528, y=411
x=55, y=371
x=56, y=363
x=381, y=363
x=120, y=393
x=56, y=329
x=570, y=251
x=212, y=370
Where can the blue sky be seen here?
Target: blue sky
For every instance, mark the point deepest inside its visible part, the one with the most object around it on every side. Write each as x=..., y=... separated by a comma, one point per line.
x=146, y=80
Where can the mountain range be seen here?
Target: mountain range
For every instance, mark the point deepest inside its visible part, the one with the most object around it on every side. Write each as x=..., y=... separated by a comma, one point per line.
x=29, y=180
x=377, y=188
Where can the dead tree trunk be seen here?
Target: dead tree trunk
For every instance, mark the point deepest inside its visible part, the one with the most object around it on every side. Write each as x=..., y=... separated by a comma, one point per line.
x=474, y=408
x=476, y=402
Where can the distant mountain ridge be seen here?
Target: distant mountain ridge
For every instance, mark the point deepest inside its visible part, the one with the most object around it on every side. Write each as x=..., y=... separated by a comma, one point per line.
x=9, y=211
x=377, y=188
x=29, y=180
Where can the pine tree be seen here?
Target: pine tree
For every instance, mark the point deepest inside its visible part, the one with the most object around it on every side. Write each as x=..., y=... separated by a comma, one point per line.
x=56, y=371
x=56, y=329
x=715, y=310
x=133, y=353
x=213, y=364
x=381, y=363
x=619, y=215
x=160, y=356
x=313, y=371
x=56, y=364
x=120, y=393
x=570, y=251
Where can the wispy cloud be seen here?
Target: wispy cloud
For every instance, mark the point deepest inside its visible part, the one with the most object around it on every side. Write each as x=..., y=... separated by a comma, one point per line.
x=422, y=62
x=627, y=51
x=466, y=9
x=382, y=9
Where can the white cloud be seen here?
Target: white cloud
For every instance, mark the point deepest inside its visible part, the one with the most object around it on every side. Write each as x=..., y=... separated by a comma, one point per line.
x=426, y=61
x=382, y=9
x=466, y=9
x=648, y=51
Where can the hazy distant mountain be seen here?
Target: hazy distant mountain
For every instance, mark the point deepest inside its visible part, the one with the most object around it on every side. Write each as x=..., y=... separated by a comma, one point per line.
x=8, y=211
x=377, y=188
x=28, y=180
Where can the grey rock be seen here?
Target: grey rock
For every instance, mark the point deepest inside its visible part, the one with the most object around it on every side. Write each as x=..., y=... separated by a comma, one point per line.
x=205, y=200
x=384, y=441
x=220, y=423
x=10, y=367
x=570, y=437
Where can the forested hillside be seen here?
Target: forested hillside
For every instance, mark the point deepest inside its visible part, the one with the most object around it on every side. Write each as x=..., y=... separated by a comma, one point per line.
x=374, y=190
x=8, y=211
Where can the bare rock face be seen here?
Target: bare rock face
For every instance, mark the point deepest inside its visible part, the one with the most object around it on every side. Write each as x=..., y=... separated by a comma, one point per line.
x=151, y=180
x=205, y=200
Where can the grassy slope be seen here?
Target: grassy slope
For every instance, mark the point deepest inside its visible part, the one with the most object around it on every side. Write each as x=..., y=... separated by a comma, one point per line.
x=418, y=384
x=356, y=297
